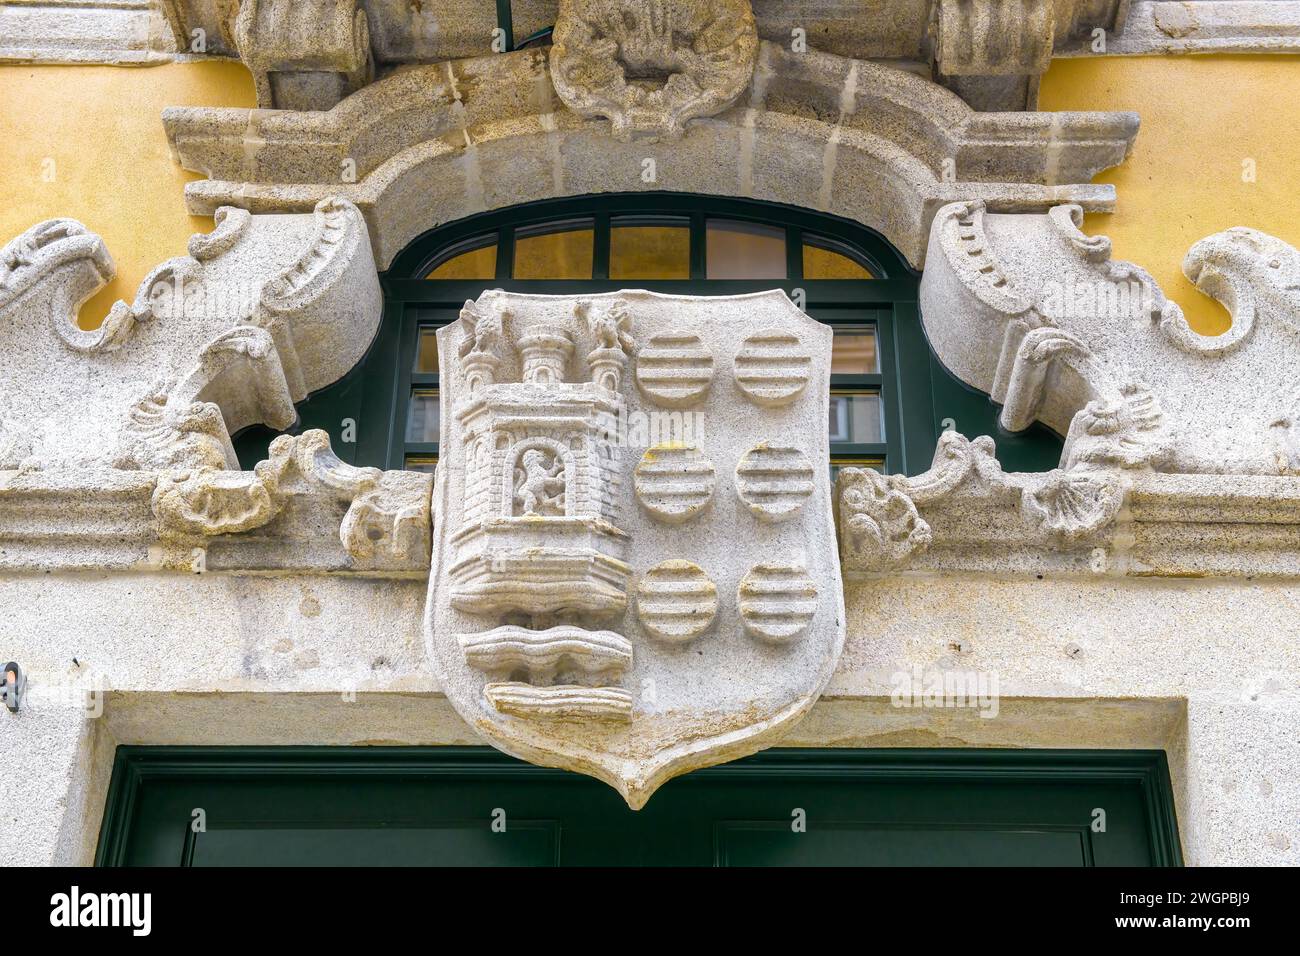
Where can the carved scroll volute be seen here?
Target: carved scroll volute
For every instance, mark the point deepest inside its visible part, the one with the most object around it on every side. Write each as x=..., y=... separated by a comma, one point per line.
x=651, y=67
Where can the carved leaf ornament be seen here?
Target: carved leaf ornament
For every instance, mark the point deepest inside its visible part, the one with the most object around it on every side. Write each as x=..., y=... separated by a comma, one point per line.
x=651, y=67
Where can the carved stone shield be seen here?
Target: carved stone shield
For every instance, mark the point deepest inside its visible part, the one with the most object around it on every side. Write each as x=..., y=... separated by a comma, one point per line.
x=634, y=570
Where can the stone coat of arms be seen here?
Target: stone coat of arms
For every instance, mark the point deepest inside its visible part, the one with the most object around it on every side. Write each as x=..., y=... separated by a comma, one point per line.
x=634, y=569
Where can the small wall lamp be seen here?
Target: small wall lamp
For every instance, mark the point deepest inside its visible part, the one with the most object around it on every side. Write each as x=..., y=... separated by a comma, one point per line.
x=12, y=685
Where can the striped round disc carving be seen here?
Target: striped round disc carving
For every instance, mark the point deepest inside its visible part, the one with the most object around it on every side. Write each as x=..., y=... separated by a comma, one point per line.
x=674, y=482
x=676, y=601
x=773, y=367
x=777, y=602
x=774, y=481
x=674, y=369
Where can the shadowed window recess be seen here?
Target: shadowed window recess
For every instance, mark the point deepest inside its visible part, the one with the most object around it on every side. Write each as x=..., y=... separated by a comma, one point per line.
x=890, y=397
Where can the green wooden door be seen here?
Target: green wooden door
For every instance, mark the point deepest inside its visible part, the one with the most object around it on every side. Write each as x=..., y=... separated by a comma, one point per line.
x=310, y=806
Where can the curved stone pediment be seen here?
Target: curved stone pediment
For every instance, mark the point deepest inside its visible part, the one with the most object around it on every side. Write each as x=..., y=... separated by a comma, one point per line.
x=1037, y=314
x=432, y=144
x=1182, y=451
x=263, y=311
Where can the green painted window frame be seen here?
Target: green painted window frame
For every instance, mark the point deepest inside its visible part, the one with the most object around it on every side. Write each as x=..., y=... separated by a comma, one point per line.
x=135, y=767
x=919, y=397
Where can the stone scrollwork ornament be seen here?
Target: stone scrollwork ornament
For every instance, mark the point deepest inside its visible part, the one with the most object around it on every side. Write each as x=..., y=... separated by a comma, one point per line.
x=629, y=578
x=887, y=521
x=1032, y=310
x=651, y=67
x=387, y=514
x=265, y=310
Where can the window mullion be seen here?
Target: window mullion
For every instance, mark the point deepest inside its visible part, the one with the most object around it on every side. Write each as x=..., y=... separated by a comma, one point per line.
x=505, y=253
x=600, y=245
x=794, y=253
x=699, y=246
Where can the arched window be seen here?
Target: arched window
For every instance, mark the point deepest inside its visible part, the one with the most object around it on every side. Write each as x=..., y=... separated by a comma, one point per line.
x=890, y=397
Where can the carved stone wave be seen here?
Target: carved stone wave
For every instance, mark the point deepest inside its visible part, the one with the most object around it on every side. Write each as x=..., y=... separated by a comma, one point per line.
x=560, y=702
x=774, y=481
x=540, y=581
x=674, y=482
x=772, y=367
x=543, y=654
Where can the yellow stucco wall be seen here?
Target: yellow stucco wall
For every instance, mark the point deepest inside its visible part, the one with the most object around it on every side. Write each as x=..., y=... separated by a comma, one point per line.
x=1201, y=117
x=112, y=168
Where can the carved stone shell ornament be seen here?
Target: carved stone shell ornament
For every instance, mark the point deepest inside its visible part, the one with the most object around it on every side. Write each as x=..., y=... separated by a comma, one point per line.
x=651, y=67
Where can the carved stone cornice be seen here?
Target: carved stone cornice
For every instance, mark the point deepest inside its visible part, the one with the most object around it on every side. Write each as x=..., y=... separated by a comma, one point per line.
x=413, y=150
x=301, y=509
x=134, y=32
x=991, y=52
x=1198, y=26
x=967, y=515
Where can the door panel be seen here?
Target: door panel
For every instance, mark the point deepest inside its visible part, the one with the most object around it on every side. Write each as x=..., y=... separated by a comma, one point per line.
x=867, y=844
x=471, y=806
x=526, y=843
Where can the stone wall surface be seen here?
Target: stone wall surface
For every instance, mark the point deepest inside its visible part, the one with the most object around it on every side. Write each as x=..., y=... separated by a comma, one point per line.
x=1204, y=669
x=1140, y=595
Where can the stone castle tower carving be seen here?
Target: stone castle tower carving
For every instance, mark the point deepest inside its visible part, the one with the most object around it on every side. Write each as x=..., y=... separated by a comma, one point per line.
x=539, y=542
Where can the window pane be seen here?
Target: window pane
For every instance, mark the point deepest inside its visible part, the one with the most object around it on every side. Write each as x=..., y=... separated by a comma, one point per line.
x=424, y=463
x=827, y=259
x=554, y=251
x=474, y=263
x=840, y=462
x=855, y=417
x=422, y=416
x=854, y=353
x=744, y=250
x=649, y=250
x=426, y=351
